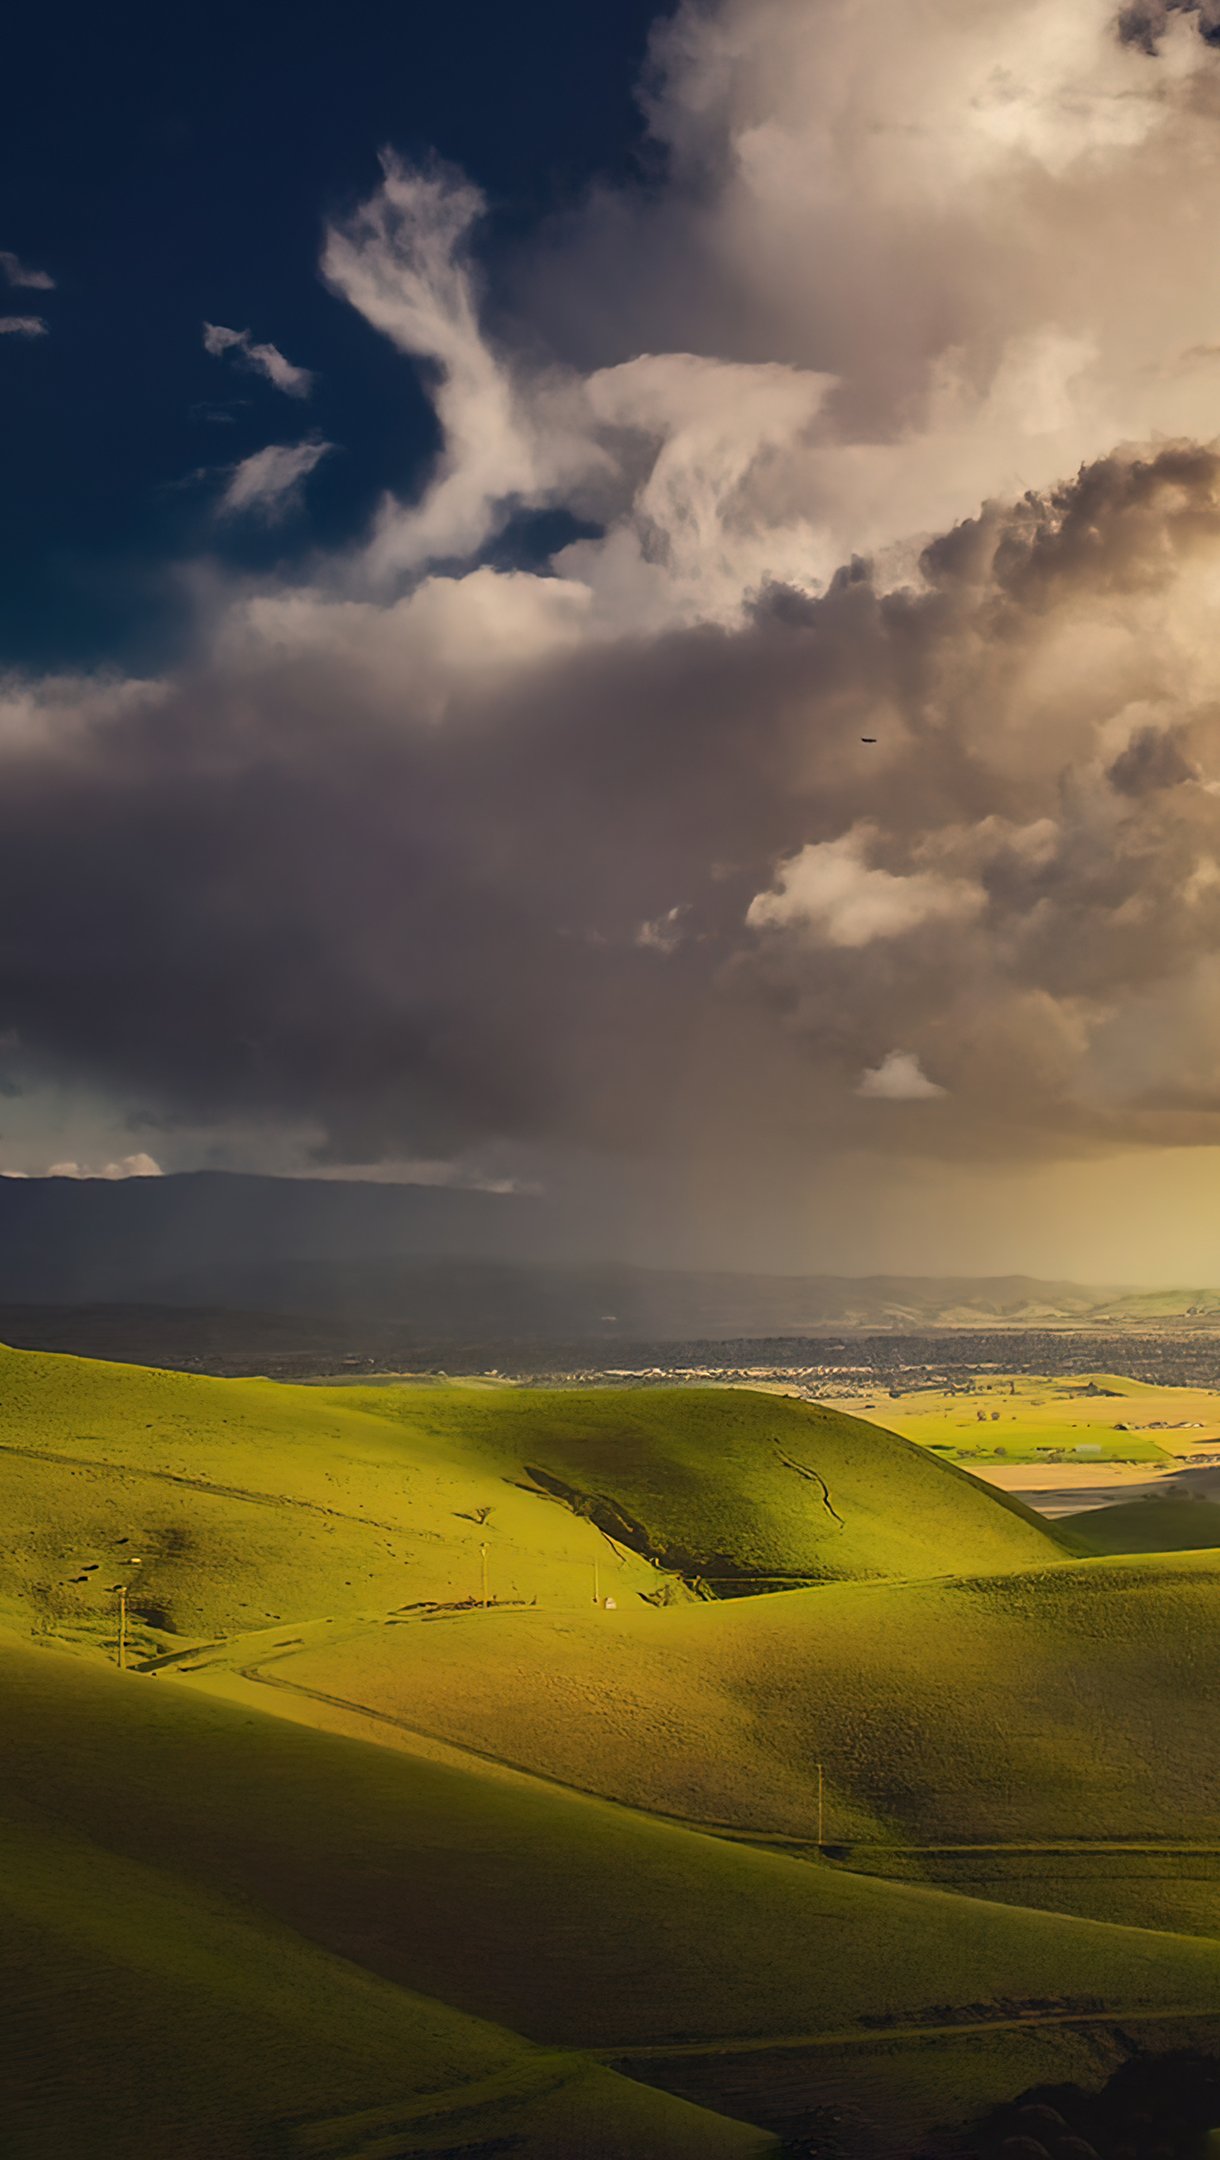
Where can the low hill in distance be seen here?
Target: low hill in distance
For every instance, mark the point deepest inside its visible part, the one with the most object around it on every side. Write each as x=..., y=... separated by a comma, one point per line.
x=451, y=1265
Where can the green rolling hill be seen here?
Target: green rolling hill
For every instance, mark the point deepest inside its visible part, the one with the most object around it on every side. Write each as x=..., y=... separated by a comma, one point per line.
x=1073, y=1704
x=1166, y=1523
x=580, y=1926
x=733, y=1486
x=554, y=1863
x=140, y=2010
x=249, y=1504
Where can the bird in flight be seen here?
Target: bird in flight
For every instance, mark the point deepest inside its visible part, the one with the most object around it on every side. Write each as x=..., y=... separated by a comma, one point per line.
x=868, y=738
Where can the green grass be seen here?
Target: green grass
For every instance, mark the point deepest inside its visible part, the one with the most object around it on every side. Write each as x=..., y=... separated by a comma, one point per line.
x=702, y=1470
x=251, y=1504
x=577, y=1924
x=1146, y=1526
x=251, y=2042
x=1175, y=1889
x=247, y=1503
x=1077, y=1702
x=961, y=1673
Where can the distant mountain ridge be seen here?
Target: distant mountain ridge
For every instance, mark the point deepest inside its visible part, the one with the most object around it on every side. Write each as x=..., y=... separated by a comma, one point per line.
x=457, y=1264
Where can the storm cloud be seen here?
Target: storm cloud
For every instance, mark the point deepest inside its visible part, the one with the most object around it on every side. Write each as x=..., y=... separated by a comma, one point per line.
x=431, y=933
x=852, y=783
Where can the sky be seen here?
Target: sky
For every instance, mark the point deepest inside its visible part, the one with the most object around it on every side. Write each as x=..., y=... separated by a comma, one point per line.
x=625, y=604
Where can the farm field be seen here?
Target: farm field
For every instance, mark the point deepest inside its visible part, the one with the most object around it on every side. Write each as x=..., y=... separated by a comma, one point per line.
x=859, y=1788
x=1015, y=1418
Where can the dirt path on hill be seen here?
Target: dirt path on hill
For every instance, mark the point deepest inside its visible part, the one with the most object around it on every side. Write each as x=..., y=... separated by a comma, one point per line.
x=881, y=2035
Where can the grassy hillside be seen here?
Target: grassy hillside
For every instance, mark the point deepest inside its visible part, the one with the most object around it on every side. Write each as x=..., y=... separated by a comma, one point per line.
x=246, y=1503
x=1065, y=1722
x=1168, y=1524
x=250, y=2042
x=577, y=1924
x=1079, y=1702
x=190, y=1861
x=729, y=1483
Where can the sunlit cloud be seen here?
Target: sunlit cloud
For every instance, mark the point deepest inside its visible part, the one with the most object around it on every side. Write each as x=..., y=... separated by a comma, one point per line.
x=127, y=1166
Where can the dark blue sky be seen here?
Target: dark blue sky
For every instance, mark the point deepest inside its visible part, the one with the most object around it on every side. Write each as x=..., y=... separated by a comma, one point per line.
x=167, y=165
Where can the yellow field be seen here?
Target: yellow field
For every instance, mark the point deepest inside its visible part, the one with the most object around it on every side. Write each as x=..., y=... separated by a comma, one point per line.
x=1023, y=1419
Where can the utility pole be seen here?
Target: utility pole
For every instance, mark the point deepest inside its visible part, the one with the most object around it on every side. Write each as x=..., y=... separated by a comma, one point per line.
x=821, y=1805
x=483, y=1551
x=123, y=1588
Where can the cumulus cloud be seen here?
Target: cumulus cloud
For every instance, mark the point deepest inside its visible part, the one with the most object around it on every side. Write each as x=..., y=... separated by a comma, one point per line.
x=265, y=360
x=269, y=483
x=899, y=1078
x=831, y=892
x=946, y=218
x=665, y=450
x=664, y=934
x=20, y=274
x=26, y=326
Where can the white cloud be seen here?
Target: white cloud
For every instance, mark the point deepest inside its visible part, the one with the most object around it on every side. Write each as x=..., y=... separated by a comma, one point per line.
x=677, y=454
x=268, y=483
x=128, y=1166
x=402, y=261
x=266, y=360
x=444, y=636
x=950, y=213
x=899, y=1078
x=702, y=521
x=893, y=268
x=18, y=273
x=831, y=893
x=27, y=326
